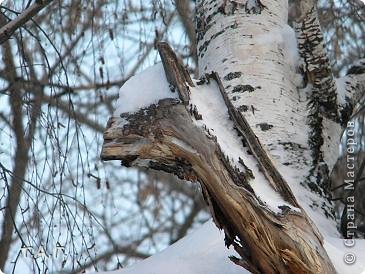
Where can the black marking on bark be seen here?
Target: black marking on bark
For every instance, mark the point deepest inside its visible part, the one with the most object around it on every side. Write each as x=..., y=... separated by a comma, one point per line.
x=346, y=112
x=317, y=67
x=264, y=126
x=243, y=88
x=318, y=179
x=221, y=9
x=253, y=109
x=356, y=70
x=204, y=23
x=232, y=75
x=194, y=112
x=243, y=108
x=264, y=162
x=180, y=169
x=291, y=146
x=256, y=7
x=203, y=48
x=229, y=8
x=201, y=24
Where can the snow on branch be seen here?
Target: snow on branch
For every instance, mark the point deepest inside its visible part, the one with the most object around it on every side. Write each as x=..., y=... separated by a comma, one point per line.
x=168, y=136
x=143, y=90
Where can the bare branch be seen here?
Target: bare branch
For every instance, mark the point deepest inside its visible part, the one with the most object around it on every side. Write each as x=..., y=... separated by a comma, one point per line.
x=7, y=30
x=185, y=13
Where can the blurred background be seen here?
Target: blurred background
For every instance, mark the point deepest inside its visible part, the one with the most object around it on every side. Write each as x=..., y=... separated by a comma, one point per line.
x=62, y=209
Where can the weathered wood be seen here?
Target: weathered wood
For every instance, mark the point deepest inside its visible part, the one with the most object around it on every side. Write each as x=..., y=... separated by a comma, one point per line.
x=176, y=74
x=163, y=137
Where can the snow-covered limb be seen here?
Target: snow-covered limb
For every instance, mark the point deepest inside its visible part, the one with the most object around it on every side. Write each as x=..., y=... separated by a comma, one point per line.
x=245, y=42
x=164, y=137
x=150, y=140
x=250, y=51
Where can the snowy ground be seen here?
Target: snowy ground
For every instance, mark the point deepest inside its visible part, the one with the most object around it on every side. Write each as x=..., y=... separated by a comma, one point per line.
x=203, y=252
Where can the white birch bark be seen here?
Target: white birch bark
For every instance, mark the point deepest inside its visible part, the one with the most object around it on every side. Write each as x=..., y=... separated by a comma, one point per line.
x=245, y=43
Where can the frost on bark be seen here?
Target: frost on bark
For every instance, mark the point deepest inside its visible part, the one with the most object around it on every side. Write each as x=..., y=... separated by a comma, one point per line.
x=240, y=48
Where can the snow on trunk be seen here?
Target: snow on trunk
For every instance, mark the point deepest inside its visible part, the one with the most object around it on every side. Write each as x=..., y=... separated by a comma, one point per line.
x=164, y=136
x=215, y=118
x=254, y=51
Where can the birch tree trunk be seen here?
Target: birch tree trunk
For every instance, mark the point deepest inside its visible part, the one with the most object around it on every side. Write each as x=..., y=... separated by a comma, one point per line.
x=286, y=133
